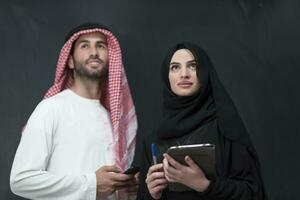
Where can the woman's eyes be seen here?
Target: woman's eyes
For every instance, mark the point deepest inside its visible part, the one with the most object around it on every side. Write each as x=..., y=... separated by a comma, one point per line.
x=174, y=67
x=193, y=66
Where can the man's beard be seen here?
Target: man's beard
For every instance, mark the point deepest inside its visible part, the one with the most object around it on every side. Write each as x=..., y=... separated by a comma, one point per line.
x=100, y=74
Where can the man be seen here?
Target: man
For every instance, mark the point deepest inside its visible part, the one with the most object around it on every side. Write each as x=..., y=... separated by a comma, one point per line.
x=81, y=137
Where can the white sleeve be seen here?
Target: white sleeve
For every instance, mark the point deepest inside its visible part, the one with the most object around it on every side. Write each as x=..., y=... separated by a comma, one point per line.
x=29, y=177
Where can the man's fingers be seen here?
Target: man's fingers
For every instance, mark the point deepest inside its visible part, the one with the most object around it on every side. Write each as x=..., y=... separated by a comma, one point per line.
x=126, y=185
x=137, y=177
x=132, y=189
x=122, y=177
x=123, y=184
x=110, y=168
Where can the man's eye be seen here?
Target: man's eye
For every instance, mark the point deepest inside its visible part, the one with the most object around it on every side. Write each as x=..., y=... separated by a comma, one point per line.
x=100, y=46
x=84, y=46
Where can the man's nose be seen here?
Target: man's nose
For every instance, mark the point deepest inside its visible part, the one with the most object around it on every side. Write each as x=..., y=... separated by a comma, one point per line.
x=93, y=51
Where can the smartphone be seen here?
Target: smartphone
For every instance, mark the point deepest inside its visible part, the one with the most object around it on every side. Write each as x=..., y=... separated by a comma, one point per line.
x=132, y=170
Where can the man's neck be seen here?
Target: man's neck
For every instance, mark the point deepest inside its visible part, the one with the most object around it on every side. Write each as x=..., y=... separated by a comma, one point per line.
x=87, y=88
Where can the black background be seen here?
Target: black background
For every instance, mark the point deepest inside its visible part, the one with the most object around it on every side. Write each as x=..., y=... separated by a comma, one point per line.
x=253, y=44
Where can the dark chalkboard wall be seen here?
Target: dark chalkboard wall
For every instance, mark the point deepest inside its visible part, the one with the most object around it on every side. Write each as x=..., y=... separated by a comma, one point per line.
x=254, y=45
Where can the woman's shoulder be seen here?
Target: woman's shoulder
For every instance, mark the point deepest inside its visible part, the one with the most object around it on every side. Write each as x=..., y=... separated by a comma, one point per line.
x=149, y=138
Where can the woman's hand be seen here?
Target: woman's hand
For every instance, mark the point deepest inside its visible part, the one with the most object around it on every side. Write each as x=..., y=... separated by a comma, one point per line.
x=190, y=175
x=156, y=180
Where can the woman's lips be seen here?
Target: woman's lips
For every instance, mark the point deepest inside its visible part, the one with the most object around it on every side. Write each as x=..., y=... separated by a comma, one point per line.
x=185, y=84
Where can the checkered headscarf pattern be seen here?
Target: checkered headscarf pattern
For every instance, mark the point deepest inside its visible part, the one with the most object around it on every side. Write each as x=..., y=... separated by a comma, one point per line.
x=116, y=96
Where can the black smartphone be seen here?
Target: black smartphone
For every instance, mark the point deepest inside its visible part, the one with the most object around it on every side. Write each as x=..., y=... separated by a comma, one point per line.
x=132, y=170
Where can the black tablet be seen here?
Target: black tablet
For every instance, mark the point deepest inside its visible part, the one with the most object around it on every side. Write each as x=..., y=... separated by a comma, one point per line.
x=202, y=154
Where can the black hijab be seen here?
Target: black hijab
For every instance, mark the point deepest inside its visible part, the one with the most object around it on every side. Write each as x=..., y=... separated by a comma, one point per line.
x=183, y=114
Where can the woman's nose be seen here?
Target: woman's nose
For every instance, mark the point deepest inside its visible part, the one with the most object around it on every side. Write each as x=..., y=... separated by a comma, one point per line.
x=184, y=73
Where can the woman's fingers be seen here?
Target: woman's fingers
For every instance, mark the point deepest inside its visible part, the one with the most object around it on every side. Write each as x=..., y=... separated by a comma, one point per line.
x=155, y=179
x=157, y=182
x=159, y=188
x=153, y=176
x=155, y=172
x=154, y=168
x=170, y=171
x=190, y=162
x=173, y=162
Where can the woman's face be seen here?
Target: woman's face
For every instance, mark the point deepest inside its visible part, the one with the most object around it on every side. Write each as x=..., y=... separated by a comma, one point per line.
x=182, y=73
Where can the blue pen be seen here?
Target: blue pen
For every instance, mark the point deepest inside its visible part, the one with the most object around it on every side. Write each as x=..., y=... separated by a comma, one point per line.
x=153, y=151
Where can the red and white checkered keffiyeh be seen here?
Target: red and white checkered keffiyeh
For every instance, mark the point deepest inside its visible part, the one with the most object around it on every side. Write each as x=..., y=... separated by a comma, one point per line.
x=116, y=96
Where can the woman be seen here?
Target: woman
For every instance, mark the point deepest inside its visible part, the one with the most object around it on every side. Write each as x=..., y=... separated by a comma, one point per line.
x=197, y=109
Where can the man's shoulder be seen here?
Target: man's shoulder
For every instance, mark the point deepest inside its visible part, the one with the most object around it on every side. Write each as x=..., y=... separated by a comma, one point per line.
x=55, y=101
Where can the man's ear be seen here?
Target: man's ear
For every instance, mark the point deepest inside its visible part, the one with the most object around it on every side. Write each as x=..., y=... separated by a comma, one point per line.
x=71, y=62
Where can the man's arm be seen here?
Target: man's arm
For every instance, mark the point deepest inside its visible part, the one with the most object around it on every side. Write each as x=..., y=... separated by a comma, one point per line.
x=29, y=176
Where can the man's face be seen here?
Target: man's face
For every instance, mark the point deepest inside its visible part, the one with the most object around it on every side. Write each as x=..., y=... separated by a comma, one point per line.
x=90, y=57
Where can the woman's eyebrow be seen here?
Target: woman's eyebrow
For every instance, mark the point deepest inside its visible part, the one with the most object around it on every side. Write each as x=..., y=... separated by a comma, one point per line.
x=191, y=61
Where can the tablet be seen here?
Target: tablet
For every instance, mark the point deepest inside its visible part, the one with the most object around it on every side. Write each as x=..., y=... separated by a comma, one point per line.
x=202, y=154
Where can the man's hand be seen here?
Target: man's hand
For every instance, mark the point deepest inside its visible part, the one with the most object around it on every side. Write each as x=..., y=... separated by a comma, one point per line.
x=133, y=188
x=109, y=179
